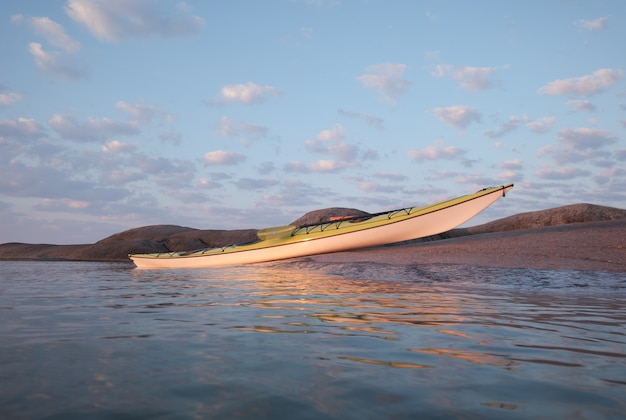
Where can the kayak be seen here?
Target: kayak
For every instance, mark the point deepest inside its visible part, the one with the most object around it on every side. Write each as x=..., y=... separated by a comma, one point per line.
x=340, y=234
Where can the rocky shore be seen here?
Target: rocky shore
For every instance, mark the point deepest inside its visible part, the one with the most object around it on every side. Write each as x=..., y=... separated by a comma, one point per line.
x=578, y=236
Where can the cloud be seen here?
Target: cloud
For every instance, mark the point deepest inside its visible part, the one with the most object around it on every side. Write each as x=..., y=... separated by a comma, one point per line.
x=346, y=152
x=26, y=137
x=512, y=170
x=606, y=176
x=329, y=166
x=116, y=146
x=511, y=125
x=561, y=174
x=579, y=145
x=294, y=192
x=92, y=130
x=53, y=32
x=581, y=105
x=296, y=167
x=120, y=176
x=594, y=24
x=375, y=187
x=458, y=116
x=436, y=152
x=61, y=205
x=371, y=120
x=56, y=64
x=620, y=155
x=325, y=165
x=210, y=184
x=119, y=20
x=7, y=97
x=477, y=180
x=171, y=137
x=143, y=113
x=59, y=63
x=256, y=184
x=586, y=138
x=370, y=154
x=387, y=79
x=330, y=142
x=510, y=176
x=392, y=176
x=174, y=169
x=336, y=133
x=21, y=129
x=21, y=180
x=568, y=155
x=232, y=128
x=222, y=157
x=590, y=84
x=511, y=164
x=266, y=168
x=171, y=174
x=541, y=125
x=474, y=79
x=248, y=93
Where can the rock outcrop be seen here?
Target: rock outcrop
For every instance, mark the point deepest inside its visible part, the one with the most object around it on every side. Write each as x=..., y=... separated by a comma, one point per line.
x=166, y=238
x=158, y=238
x=574, y=213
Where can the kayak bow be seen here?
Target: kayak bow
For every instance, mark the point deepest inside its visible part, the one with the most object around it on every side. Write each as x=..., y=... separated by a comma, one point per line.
x=282, y=242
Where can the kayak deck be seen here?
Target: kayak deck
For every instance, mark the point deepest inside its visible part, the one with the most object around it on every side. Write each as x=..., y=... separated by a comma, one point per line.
x=341, y=234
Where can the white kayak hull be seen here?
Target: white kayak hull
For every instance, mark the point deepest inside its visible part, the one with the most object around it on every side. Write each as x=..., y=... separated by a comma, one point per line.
x=385, y=228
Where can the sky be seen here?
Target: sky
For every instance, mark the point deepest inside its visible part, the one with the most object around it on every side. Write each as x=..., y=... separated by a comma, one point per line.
x=243, y=114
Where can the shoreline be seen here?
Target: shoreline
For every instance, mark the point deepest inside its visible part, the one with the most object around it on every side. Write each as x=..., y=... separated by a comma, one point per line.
x=586, y=246
x=577, y=237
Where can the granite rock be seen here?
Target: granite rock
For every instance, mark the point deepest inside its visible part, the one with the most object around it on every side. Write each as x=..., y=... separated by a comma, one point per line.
x=171, y=238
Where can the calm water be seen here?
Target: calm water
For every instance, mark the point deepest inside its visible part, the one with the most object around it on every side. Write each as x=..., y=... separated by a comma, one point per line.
x=302, y=340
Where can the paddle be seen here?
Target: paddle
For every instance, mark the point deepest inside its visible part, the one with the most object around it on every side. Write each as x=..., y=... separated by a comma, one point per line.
x=275, y=232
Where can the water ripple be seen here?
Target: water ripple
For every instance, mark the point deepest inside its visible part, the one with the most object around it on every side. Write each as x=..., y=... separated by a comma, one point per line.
x=299, y=339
